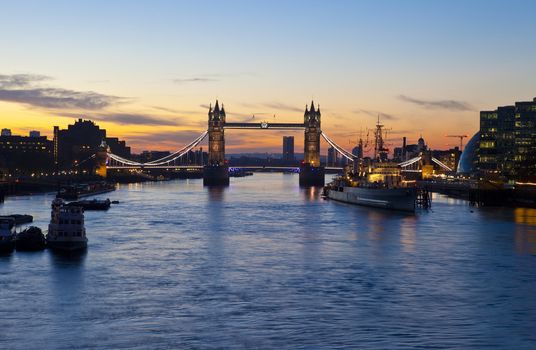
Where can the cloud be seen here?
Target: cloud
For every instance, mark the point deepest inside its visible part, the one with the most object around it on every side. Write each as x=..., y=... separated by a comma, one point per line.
x=209, y=78
x=451, y=105
x=23, y=88
x=174, y=111
x=376, y=113
x=175, y=137
x=194, y=80
x=20, y=80
x=126, y=118
x=282, y=106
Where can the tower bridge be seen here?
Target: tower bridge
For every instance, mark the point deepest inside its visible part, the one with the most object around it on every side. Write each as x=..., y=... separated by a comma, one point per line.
x=216, y=172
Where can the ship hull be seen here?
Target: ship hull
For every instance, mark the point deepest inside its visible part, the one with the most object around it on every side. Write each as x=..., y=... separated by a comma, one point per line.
x=7, y=246
x=402, y=199
x=67, y=246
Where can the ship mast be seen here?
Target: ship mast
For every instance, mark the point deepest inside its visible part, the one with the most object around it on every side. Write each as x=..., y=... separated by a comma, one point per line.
x=380, y=152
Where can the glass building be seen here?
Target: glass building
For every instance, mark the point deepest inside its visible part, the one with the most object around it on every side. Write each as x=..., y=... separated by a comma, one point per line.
x=508, y=141
x=469, y=158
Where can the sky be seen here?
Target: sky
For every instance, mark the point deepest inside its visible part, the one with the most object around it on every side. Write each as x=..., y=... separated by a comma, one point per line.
x=147, y=70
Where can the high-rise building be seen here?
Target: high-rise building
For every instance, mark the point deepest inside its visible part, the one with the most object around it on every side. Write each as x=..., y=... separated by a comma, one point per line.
x=508, y=141
x=6, y=132
x=288, y=148
x=333, y=157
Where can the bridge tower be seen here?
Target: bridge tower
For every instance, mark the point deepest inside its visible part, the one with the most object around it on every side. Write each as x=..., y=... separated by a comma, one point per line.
x=311, y=172
x=216, y=172
x=101, y=157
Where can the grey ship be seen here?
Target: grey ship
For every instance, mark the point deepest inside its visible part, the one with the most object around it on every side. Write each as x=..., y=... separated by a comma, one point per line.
x=378, y=184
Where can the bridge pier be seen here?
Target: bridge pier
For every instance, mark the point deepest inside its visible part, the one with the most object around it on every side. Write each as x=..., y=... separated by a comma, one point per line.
x=216, y=175
x=312, y=175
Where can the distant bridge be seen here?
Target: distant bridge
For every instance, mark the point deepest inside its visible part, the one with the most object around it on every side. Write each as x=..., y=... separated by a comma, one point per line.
x=216, y=171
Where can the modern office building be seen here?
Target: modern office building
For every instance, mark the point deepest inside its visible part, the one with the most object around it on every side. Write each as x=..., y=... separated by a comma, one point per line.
x=288, y=148
x=508, y=141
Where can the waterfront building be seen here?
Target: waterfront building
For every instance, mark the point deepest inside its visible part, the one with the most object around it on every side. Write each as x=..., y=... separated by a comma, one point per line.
x=507, y=144
x=25, y=154
x=406, y=152
x=421, y=145
x=288, y=148
x=450, y=157
x=80, y=141
x=358, y=151
x=119, y=147
x=469, y=158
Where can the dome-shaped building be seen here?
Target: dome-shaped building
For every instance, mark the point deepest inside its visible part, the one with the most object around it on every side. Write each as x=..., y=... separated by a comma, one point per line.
x=469, y=157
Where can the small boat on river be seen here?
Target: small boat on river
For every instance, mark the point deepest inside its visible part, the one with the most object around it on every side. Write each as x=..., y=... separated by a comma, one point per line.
x=7, y=234
x=92, y=204
x=66, y=231
x=30, y=239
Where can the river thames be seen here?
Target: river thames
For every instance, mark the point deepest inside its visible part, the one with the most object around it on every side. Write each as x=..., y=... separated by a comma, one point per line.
x=264, y=264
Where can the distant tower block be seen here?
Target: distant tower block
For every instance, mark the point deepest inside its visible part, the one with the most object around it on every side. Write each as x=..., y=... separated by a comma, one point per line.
x=216, y=172
x=311, y=172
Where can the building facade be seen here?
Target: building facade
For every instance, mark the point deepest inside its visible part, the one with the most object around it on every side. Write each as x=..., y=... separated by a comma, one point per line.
x=507, y=144
x=288, y=148
x=80, y=141
x=25, y=154
x=333, y=157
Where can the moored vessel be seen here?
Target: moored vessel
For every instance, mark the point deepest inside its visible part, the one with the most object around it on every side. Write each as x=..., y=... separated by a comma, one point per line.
x=381, y=188
x=92, y=204
x=66, y=231
x=74, y=192
x=30, y=239
x=7, y=234
x=374, y=182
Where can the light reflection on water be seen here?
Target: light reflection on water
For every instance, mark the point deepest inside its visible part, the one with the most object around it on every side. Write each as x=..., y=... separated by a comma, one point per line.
x=265, y=264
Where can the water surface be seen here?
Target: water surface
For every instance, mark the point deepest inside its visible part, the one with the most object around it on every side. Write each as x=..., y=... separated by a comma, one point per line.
x=265, y=264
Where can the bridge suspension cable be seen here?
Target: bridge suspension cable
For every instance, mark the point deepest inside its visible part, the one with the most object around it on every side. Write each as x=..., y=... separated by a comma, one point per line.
x=417, y=159
x=409, y=162
x=164, y=160
x=441, y=164
x=339, y=149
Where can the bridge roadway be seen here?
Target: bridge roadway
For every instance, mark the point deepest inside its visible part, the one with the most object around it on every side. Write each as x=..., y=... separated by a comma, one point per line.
x=264, y=125
x=200, y=167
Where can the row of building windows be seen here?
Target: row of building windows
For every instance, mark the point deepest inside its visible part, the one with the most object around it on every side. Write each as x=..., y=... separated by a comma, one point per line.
x=74, y=222
x=69, y=234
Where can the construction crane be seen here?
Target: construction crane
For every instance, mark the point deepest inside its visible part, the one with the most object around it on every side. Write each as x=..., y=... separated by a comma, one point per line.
x=461, y=137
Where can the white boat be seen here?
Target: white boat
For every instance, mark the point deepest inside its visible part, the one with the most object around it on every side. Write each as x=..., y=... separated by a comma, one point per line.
x=66, y=231
x=7, y=234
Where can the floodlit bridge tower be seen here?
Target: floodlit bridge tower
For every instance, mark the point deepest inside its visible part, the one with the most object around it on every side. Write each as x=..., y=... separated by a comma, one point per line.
x=216, y=172
x=311, y=173
x=101, y=157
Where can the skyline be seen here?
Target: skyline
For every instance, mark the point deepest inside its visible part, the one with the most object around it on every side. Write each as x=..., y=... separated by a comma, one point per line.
x=147, y=72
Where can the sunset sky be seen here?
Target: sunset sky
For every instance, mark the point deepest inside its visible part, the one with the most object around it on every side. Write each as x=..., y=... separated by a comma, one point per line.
x=147, y=70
